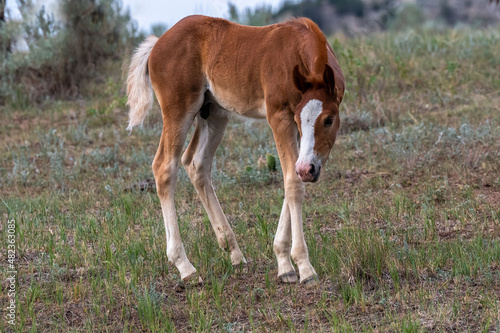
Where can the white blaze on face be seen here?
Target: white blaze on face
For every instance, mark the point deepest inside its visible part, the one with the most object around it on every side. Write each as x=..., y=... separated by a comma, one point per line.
x=308, y=116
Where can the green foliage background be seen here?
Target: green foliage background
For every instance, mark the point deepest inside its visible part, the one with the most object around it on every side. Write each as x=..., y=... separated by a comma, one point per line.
x=61, y=55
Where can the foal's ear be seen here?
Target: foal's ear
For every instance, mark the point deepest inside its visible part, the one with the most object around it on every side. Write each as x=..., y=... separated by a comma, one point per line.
x=329, y=79
x=300, y=80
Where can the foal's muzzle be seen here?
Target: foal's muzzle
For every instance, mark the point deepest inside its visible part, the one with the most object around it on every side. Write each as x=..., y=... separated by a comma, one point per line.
x=308, y=172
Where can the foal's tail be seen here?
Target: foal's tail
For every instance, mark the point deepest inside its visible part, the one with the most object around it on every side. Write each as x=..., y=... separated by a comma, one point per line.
x=139, y=90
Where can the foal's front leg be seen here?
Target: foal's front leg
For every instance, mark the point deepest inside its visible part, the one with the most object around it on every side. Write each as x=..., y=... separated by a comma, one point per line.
x=282, y=246
x=285, y=136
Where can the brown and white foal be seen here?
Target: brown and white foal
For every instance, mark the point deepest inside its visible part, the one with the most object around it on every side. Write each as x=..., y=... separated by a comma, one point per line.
x=203, y=70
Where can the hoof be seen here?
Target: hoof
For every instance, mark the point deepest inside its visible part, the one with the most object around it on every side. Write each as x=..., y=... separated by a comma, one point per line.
x=180, y=287
x=290, y=277
x=237, y=258
x=192, y=278
x=242, y=267
x=311, y=282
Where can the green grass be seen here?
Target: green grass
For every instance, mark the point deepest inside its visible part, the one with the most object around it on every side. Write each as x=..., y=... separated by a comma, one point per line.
x=403, y=227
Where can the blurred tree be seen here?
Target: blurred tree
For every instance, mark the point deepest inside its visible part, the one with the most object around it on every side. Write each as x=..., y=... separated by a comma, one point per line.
x=259, y=16
x=312, y=10
x=62, y=55
x=447, y=12
x=354, y=7
x=409, y=16
x=306, y=8
x=158, y=29
x=234, y=15
x=5, y=40
x=3, y=3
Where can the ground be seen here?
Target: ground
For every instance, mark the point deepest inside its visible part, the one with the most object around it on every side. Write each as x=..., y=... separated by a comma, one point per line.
x=403, y=227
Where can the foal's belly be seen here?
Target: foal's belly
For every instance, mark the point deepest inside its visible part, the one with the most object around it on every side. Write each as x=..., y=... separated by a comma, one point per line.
x=244, y=103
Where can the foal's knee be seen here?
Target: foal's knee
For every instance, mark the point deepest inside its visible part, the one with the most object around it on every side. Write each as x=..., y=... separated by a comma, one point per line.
x=281, y=246
x=294, y=191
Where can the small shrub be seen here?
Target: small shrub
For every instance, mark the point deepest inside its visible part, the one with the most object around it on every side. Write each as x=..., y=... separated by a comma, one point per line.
x=356, y=121
x=354, y=7
x=447, y=12
x=149, y=310
x=261, y=15
x=22, y=167
x=271, y=162
x=410, y=16
x=62, y=55
x=158, y=29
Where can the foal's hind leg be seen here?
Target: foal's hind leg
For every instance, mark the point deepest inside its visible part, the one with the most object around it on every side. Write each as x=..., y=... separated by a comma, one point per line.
x=197, y=161
x=176, y=124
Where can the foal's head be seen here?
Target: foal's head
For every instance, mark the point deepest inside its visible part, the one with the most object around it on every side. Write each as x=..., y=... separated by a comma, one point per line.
x=317, y=117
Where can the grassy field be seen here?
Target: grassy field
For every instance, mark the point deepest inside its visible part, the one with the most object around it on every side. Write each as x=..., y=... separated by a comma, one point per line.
x=403, y=227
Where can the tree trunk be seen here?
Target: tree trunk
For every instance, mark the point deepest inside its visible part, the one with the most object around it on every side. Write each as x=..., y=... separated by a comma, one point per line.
x=3, y=3
x=4, y=40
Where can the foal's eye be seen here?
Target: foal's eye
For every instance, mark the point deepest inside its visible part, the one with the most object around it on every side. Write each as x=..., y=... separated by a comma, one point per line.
x=328, y=122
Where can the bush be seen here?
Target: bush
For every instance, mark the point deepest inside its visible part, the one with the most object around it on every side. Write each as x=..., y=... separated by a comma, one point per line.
x=409, y=16
x=261, y=15
x=447, y=12
x=62, y=55
x=4, y=40
x=158, y=29
x=354, y=7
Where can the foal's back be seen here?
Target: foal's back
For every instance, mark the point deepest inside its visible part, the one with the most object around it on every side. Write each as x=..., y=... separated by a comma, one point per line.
x=239, y=65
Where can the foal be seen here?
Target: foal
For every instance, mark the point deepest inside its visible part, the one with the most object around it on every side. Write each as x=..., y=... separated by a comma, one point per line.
x=204, y=69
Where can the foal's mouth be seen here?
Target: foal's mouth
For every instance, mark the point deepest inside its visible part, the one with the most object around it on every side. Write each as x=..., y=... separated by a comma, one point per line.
x=316, y=177
x=311, y=177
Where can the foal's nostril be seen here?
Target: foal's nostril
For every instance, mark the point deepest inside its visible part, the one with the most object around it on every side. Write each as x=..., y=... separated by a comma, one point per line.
x=312, y=169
